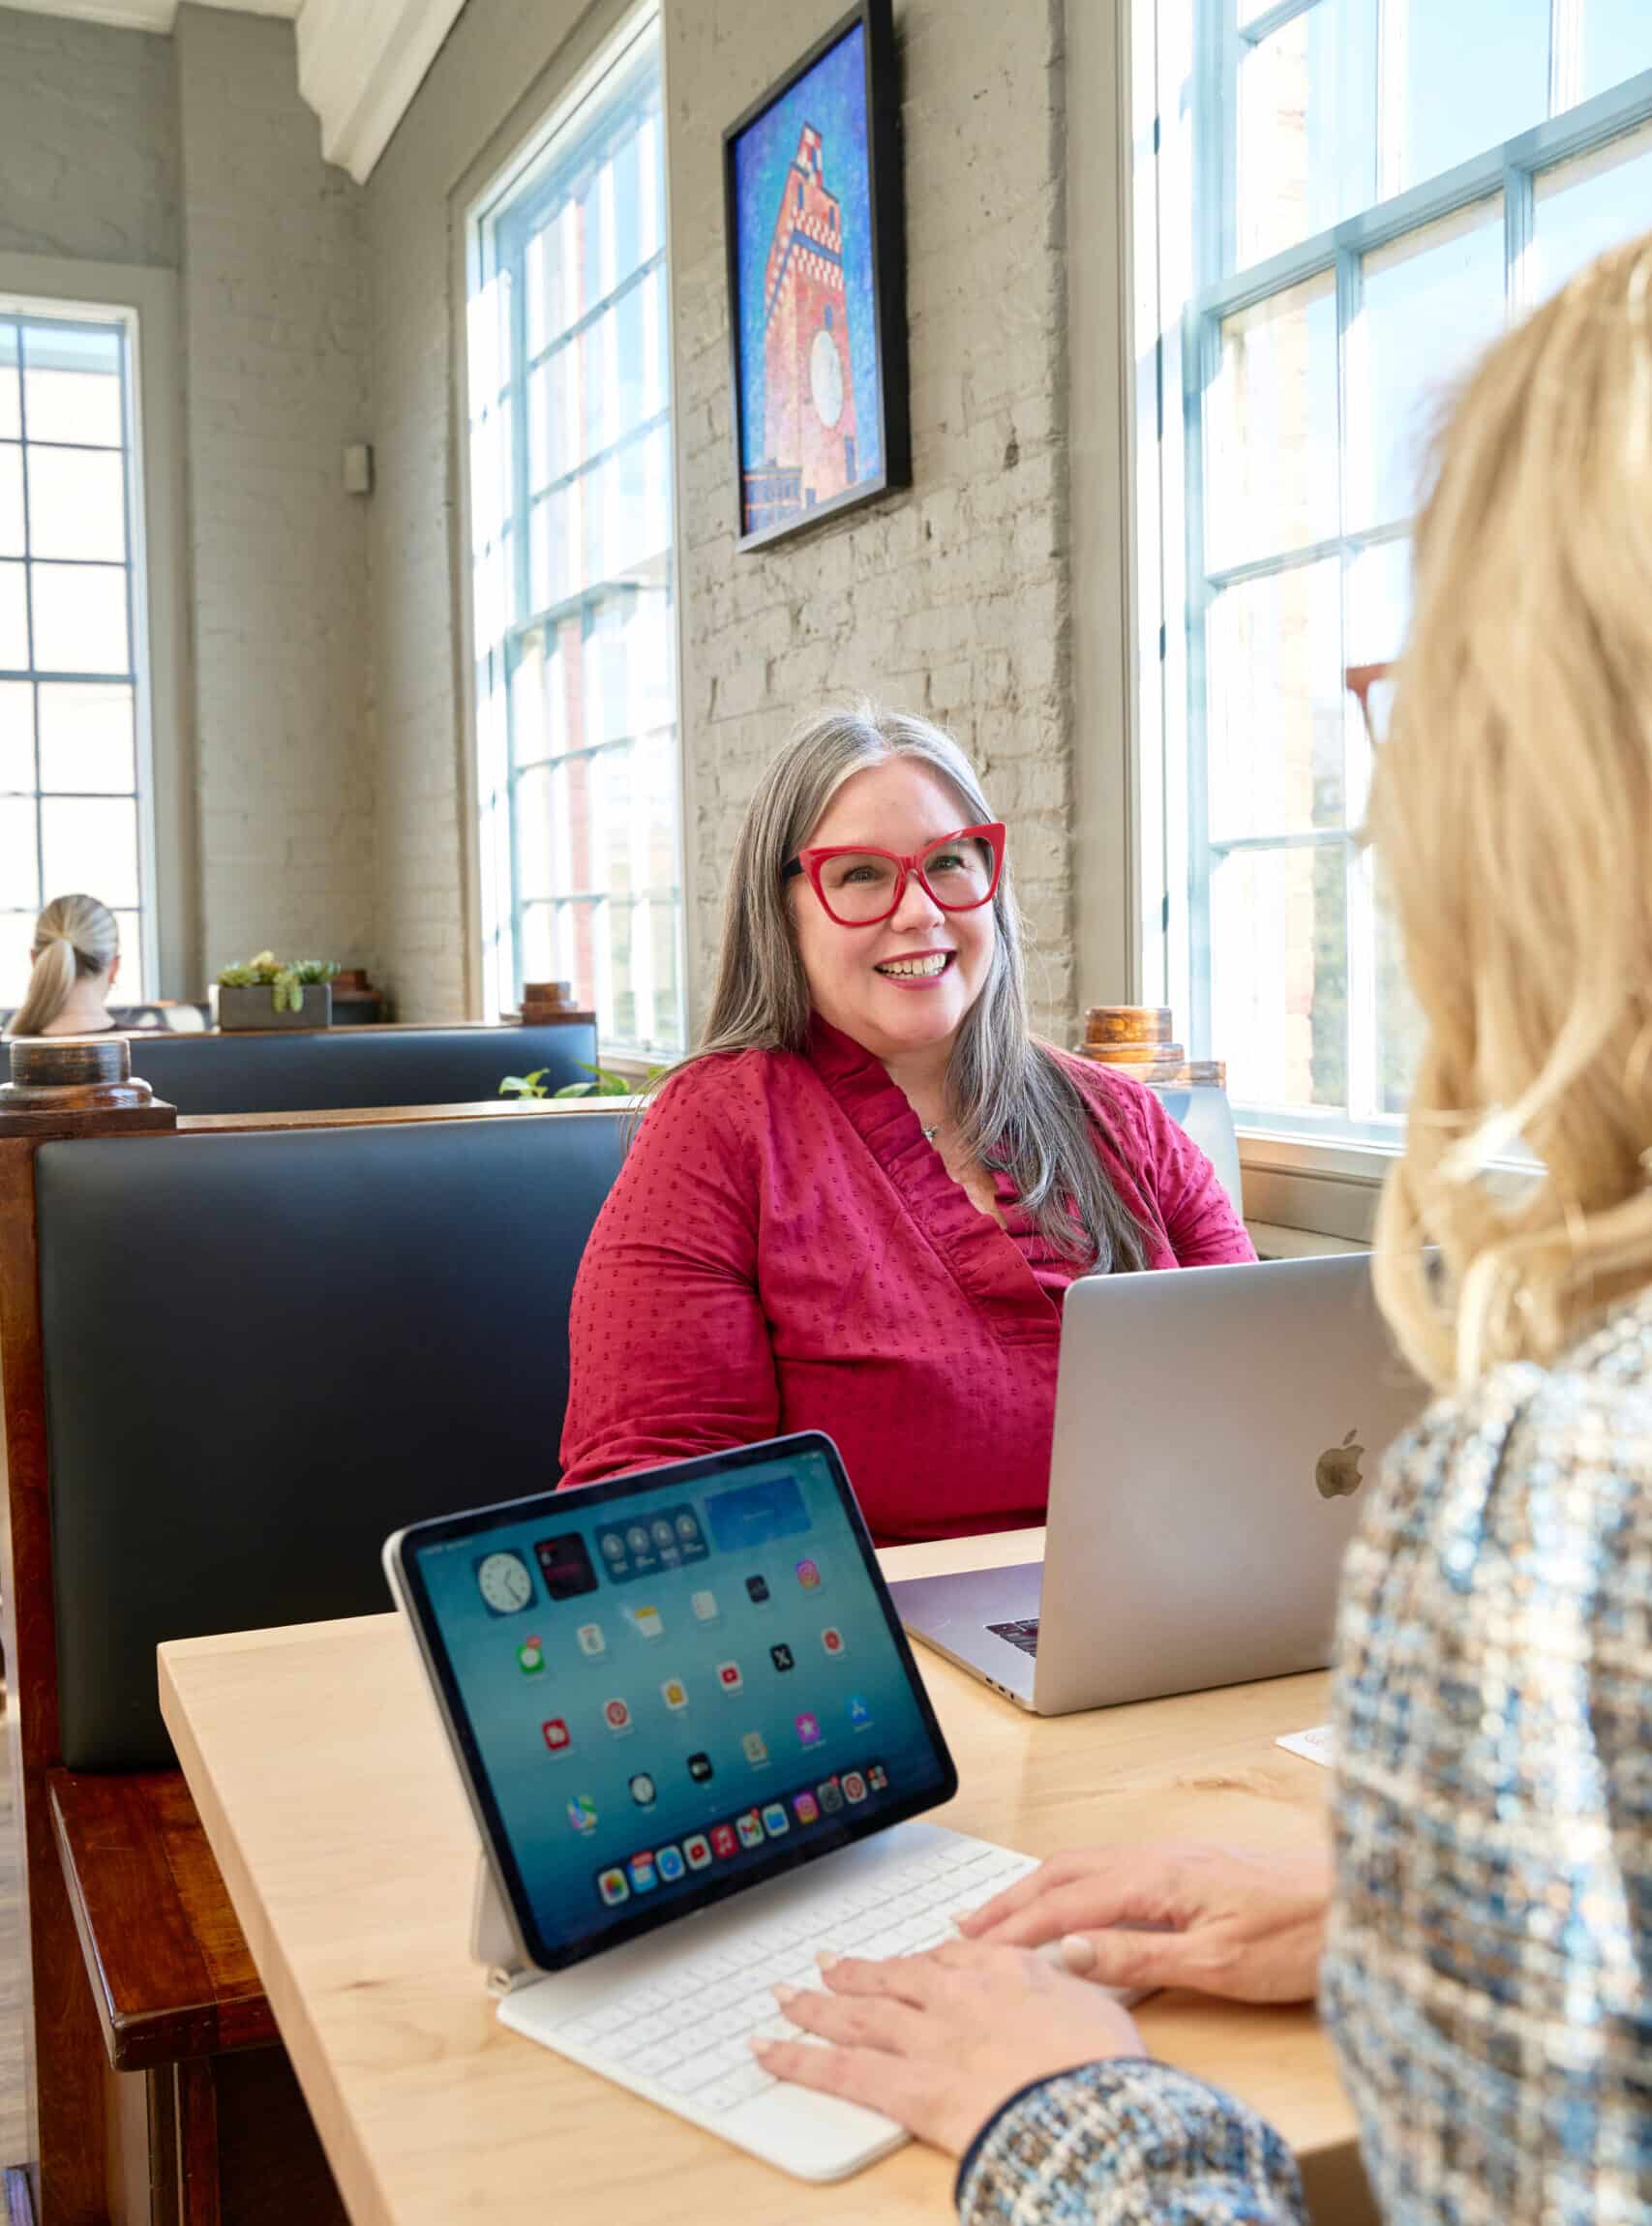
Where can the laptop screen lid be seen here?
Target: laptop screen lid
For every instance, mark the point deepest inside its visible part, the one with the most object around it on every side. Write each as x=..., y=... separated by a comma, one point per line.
x=665, y=1688
x=1215, y=1430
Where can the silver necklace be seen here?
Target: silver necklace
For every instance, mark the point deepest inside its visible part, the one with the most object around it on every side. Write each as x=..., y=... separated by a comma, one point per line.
x=930, y=1134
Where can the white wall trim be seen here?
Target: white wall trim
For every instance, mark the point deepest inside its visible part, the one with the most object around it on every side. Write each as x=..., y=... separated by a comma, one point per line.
x=158, y=15
x=152, y=293
x=360, y=62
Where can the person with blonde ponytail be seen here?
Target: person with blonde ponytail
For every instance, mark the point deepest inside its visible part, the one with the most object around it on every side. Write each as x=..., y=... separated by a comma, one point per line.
x=76, y=958
x=1482, y=1936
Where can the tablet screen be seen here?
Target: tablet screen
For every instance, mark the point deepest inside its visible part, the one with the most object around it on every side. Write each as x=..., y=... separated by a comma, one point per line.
x=666, y=1687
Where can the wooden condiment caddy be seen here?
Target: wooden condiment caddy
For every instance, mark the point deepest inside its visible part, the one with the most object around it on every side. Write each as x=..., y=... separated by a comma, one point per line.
x=63, y=1085
x=1135, y=1040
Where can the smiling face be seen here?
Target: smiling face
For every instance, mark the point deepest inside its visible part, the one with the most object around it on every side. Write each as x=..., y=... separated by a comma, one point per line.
x=903, y=985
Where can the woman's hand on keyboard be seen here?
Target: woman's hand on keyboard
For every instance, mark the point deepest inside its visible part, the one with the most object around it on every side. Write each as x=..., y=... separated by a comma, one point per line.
x=1247, y=1923
x=940, y=2040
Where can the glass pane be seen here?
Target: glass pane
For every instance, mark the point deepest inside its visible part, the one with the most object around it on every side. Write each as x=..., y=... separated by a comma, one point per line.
x=666, y=1032
x=86, y=737
x=1618, y=44
x=1473, y=72
x=1270, y=428
x=1279, y=976
x=1379, y=603
x=1274, y=680
x=534, y=875
x=13, y=620
x=1588, y=205
x=11, y=542
x=538, y=962
x=91, y=843
x=77, y=503
x=11, y=420
x=1432, y=302
x=19, y=864
x=79, y=618
x=132, y=988
x=15, y=930
x=16, y=738
x=1306, y=128
x=72, y=384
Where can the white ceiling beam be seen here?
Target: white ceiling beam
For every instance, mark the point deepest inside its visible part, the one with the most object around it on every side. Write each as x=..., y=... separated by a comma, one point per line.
x=360, y=62
x=123, y=14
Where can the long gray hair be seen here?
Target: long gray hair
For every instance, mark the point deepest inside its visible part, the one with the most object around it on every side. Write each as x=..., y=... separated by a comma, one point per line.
x=1013, y=1104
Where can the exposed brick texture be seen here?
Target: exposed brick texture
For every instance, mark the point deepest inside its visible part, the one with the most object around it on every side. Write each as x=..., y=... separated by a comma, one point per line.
x=88, y=144
x=950, y=600
x=276, y=350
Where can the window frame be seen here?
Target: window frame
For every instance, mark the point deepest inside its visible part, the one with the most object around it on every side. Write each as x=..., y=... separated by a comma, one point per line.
x=144, y=299
x=1307, y=1172
x=576, y=75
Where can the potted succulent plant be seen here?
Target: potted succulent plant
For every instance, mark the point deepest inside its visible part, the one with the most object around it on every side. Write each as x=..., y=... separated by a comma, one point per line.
x=266, y=992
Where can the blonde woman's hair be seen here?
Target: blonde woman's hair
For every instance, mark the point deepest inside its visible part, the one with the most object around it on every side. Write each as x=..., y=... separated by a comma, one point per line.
x=1013, y=1104
x=1512, y=810
x=73, y=935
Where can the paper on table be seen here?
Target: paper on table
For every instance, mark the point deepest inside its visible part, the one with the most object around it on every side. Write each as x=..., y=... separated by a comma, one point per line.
x=1313, y=1745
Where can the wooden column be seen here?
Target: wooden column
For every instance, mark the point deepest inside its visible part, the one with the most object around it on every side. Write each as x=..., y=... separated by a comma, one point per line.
x=62, y=1086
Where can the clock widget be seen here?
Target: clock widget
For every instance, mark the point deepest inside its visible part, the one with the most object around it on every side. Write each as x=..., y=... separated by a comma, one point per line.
x=503, y=1580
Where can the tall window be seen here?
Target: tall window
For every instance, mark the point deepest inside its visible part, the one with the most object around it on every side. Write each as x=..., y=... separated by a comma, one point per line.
x=571, y=562
x=1350, y=199
x=73, y=713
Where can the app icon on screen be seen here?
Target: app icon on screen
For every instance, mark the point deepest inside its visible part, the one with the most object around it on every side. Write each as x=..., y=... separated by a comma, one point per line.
x=557, y=1734
x=705, y=1606
x=697, y=1850
x=612, y=1887
x=612, y=1543
x=645, y=1621
x=750, y=1828
x=807, y=1807
x=756, y=1749
x=503, y=1582
x=616, y=1715
x=643, y=1877
x=808, y=1729
x=590, y=1638
x=670, y=1861
x=565, y=1564
x=582, y=1813
x=831, y=1639
x=675, y=1694
x=664, y=1537
x=809, y=1575
x=854, y=1786
x=782, y=1657
x=688, y=1526
x=723, y=1841
x=729, y=1678
x=877, y=1777
x=530, y=1654
x=859, y=1709
x=756, y=1590
x=637, y=1539
x=775, y=1820
x=700, y=1768
x=643, y=1789
x=830, y=1794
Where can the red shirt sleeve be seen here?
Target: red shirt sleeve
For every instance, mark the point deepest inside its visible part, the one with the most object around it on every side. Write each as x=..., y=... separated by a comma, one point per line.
x=668, y=1350
x=1199, y=1216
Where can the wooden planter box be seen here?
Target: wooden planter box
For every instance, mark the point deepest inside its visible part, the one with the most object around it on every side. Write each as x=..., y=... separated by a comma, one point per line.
x=254, y=1005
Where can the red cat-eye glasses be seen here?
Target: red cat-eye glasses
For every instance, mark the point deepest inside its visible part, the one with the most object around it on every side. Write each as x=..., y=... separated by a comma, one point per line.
x=858, y=886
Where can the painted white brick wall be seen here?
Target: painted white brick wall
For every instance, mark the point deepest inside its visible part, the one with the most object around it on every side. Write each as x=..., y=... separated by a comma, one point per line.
x=952, y=599
x=277, y=366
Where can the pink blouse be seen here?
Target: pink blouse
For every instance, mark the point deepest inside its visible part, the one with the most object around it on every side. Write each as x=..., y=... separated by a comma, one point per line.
x=785, y=1250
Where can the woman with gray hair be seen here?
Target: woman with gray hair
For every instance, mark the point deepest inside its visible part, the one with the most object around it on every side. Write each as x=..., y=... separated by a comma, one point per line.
x=859, y=1206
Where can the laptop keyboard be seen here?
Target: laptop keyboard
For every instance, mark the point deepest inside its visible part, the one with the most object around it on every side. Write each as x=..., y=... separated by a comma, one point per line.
x=1024, y=1634
x=685, y=2030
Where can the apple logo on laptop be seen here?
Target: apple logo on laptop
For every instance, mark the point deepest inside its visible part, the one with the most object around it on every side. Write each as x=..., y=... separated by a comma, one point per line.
x=1337, y=1472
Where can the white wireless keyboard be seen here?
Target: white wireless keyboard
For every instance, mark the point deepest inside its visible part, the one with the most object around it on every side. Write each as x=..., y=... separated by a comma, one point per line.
x=670, y=2016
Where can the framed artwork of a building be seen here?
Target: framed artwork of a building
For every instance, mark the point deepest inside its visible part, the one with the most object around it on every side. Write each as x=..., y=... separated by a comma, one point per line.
x=811, y=183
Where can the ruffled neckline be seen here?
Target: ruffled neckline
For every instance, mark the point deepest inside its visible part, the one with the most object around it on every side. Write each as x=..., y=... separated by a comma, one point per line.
x=986, y=1260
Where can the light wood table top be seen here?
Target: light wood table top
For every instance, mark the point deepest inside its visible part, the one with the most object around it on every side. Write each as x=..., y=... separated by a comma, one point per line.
x=333, y=1808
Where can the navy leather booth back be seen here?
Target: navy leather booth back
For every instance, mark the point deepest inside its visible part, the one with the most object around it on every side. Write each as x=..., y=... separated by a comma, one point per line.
x=333, y=1069
x=263, y=1353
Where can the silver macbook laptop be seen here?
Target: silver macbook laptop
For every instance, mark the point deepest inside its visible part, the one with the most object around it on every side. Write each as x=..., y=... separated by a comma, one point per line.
x=1213, y=1430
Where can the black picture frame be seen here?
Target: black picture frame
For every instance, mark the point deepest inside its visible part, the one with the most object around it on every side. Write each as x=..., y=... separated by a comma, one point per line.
x=762, y=516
